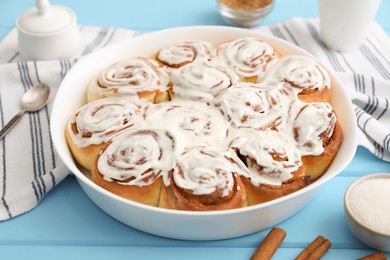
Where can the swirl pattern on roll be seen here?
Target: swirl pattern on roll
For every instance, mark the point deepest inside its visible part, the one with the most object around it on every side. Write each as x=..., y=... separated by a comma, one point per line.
x=248, y=57
x=313, y=124
x=98, y=121
x=130, y=77
x=202, y=80
x=271, y=157
x=255, y=106
x=205, y=171
x=176, y=56
x=301, y=72
x=138, y=157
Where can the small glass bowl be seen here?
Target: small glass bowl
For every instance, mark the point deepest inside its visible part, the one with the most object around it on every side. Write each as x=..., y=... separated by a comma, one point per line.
x=243, y=18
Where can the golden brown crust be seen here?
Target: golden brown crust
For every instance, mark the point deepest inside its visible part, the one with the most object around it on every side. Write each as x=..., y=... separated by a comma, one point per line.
x=315, y=166
x=173, y=197
x=85, y=156
x=148, y=195
x=264, y=192
x=315, y=95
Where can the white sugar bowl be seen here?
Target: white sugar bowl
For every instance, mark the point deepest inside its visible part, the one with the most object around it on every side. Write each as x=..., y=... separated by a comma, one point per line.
x=48, y=32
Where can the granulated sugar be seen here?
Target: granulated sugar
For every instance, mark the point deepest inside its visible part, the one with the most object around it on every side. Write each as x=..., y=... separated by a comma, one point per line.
x=370, y=202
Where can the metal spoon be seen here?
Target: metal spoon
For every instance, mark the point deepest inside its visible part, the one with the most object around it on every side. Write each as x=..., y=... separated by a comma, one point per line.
x=33, y=100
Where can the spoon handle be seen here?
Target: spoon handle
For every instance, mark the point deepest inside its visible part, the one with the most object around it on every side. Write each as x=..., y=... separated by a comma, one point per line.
x=11, y=123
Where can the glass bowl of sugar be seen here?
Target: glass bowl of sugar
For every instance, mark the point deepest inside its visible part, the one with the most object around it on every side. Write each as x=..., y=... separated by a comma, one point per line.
x=367, y=210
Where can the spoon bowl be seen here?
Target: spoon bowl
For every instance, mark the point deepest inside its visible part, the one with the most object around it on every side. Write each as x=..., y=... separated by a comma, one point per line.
x=33, y=100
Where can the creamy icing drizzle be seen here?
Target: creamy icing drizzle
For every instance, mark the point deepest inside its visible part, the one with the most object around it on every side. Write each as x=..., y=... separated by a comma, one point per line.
x=138, y=157
x=248, y=57
x=312, y=123
x=300, y=72
x=271, y=157
x=178, y=55
x=98, y=121
x=265, y=122
x=255, y=106
x=130, y=77
x=193, y=123
x=202, y=80
x=203, y=170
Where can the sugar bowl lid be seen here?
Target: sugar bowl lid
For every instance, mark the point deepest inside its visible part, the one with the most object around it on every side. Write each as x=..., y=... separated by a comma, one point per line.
x=45, y=19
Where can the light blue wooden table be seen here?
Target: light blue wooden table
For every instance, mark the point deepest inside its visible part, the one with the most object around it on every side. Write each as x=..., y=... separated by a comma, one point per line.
x=67, y=225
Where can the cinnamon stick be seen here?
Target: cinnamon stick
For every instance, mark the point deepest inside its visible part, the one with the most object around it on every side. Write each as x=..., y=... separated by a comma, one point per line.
x=320, y=251
x=374, y=256
x=270, y=244
x=310, y=248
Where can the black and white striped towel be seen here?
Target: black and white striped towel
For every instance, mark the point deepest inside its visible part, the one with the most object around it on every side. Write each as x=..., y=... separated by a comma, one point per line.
x=28, y=162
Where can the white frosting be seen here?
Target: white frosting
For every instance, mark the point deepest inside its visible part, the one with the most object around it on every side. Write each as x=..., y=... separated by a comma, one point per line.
x=194, y=123
x=202, y=80
x=311, y=120
x=266, y=123
x=263, y=147
x=184, y=53
x=98, y=121
x=301, y=72
x=138, y=157
x=248, y=57
x=255, y=106
x=129, y=77
x=204, y=170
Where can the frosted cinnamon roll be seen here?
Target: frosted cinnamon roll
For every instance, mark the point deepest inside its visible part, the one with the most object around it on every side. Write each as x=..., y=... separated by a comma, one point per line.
x=307, y=78
x=97, y=122
x=274, y=164
x=204, y=179
x=318, y=135
x=254, y=106
x=133, y=164
x=193, y=123
x=201, y=80
x=248, y=57
x=131, y=77
x=178, y=55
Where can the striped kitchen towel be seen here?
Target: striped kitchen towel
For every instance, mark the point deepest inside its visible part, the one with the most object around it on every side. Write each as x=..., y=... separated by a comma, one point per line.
x=28, y=163
x=365, y=74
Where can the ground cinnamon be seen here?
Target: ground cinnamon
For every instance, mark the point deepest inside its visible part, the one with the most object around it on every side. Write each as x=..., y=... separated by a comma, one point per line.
x=246, y=4
x=270, y=244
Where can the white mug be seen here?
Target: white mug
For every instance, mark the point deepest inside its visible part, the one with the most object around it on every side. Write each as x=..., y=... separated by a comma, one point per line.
x=344, y=24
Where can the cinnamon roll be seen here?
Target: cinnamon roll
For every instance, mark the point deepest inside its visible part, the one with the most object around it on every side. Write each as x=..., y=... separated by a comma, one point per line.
x=140, y=77
x=201, y=80
x=193, y=123
x=306, y=77
x=318, y=135
x=274, y=164
x=248, y=57
x=254, y=106
x=97, y=122
x=178, y=55
x=132, y=165
x=204, y=179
